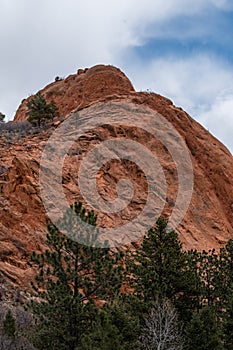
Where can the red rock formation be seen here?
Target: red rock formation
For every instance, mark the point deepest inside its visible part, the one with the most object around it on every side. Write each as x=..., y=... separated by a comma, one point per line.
x=209, y=221
x=81, y=89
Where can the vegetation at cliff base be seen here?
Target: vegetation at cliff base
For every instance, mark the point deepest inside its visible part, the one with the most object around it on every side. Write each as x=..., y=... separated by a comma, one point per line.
x=156, y=297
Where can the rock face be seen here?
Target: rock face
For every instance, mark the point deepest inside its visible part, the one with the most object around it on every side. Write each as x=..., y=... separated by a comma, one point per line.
x=208, y=223
x=81, y=89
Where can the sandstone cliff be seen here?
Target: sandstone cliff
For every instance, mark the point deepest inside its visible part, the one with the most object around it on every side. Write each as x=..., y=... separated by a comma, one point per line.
x=208, y=223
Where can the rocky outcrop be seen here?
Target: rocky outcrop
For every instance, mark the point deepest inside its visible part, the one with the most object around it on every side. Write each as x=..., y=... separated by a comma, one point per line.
x=81, y=89
x=208, y=222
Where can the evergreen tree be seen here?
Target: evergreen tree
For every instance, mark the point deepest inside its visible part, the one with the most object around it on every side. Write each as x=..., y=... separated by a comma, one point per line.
x=191, y=299
x=2, y=117
x=225, y=277
x=103, y=336
x=126, y=321
x=228, y=326
x=8, y=333
x=225, y=288
x=52, y=110
x=115, y=328
x=161, y=270
x=9, y=327
x=203, y=331
x=209, y=270
x=39, y=110
x=71, y=277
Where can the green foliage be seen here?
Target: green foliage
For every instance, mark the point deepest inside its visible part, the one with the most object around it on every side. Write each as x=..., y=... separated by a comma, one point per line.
x=225, y=288
x=114, y=328
x=209, y=272
x=203, y=331
x=161, y=270
x=224, y=279
x=2, y=117
x=39, y=110
x=127, y=323
x=9, y=326
x=228, y=326
x=104, y=335
x=71, y=277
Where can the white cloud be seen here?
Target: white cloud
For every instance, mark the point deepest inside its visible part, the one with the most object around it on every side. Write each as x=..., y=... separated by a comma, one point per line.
x=223, y=4
x=42, y=39
x=201, y=85
x=219, y=119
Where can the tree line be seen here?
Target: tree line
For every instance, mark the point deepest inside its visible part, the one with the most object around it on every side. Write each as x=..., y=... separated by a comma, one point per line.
x=158, y=296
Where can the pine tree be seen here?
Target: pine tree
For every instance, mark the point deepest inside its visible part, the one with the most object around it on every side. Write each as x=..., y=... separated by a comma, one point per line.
x=2, y=117
x=71, y=278
x=228, y=326
x=103, y=336
x=39, y=110
x=225, y=291
x=52, y=110
x=209, y=270
x=160, y=269
x=9, y=333
x=115, y=328
x=225, y=277
x=9, y=326
x=203, y=331
x=126, y=321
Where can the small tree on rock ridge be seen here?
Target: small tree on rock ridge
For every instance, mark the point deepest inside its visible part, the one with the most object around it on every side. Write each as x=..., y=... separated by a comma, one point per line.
x=2, y=117
x=39, y=110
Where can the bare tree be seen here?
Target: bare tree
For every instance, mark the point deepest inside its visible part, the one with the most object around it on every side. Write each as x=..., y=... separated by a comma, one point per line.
x=160, y=330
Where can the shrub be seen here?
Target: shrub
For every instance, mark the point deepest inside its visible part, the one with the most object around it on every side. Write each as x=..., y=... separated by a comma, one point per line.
x=2, y=117
x=39, y=110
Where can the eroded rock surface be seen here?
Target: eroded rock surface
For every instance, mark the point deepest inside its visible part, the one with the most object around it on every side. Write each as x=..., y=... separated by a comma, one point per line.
x=208, y=222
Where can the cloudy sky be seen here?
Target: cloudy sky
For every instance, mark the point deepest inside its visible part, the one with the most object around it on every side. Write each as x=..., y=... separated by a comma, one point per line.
x=178, y=48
